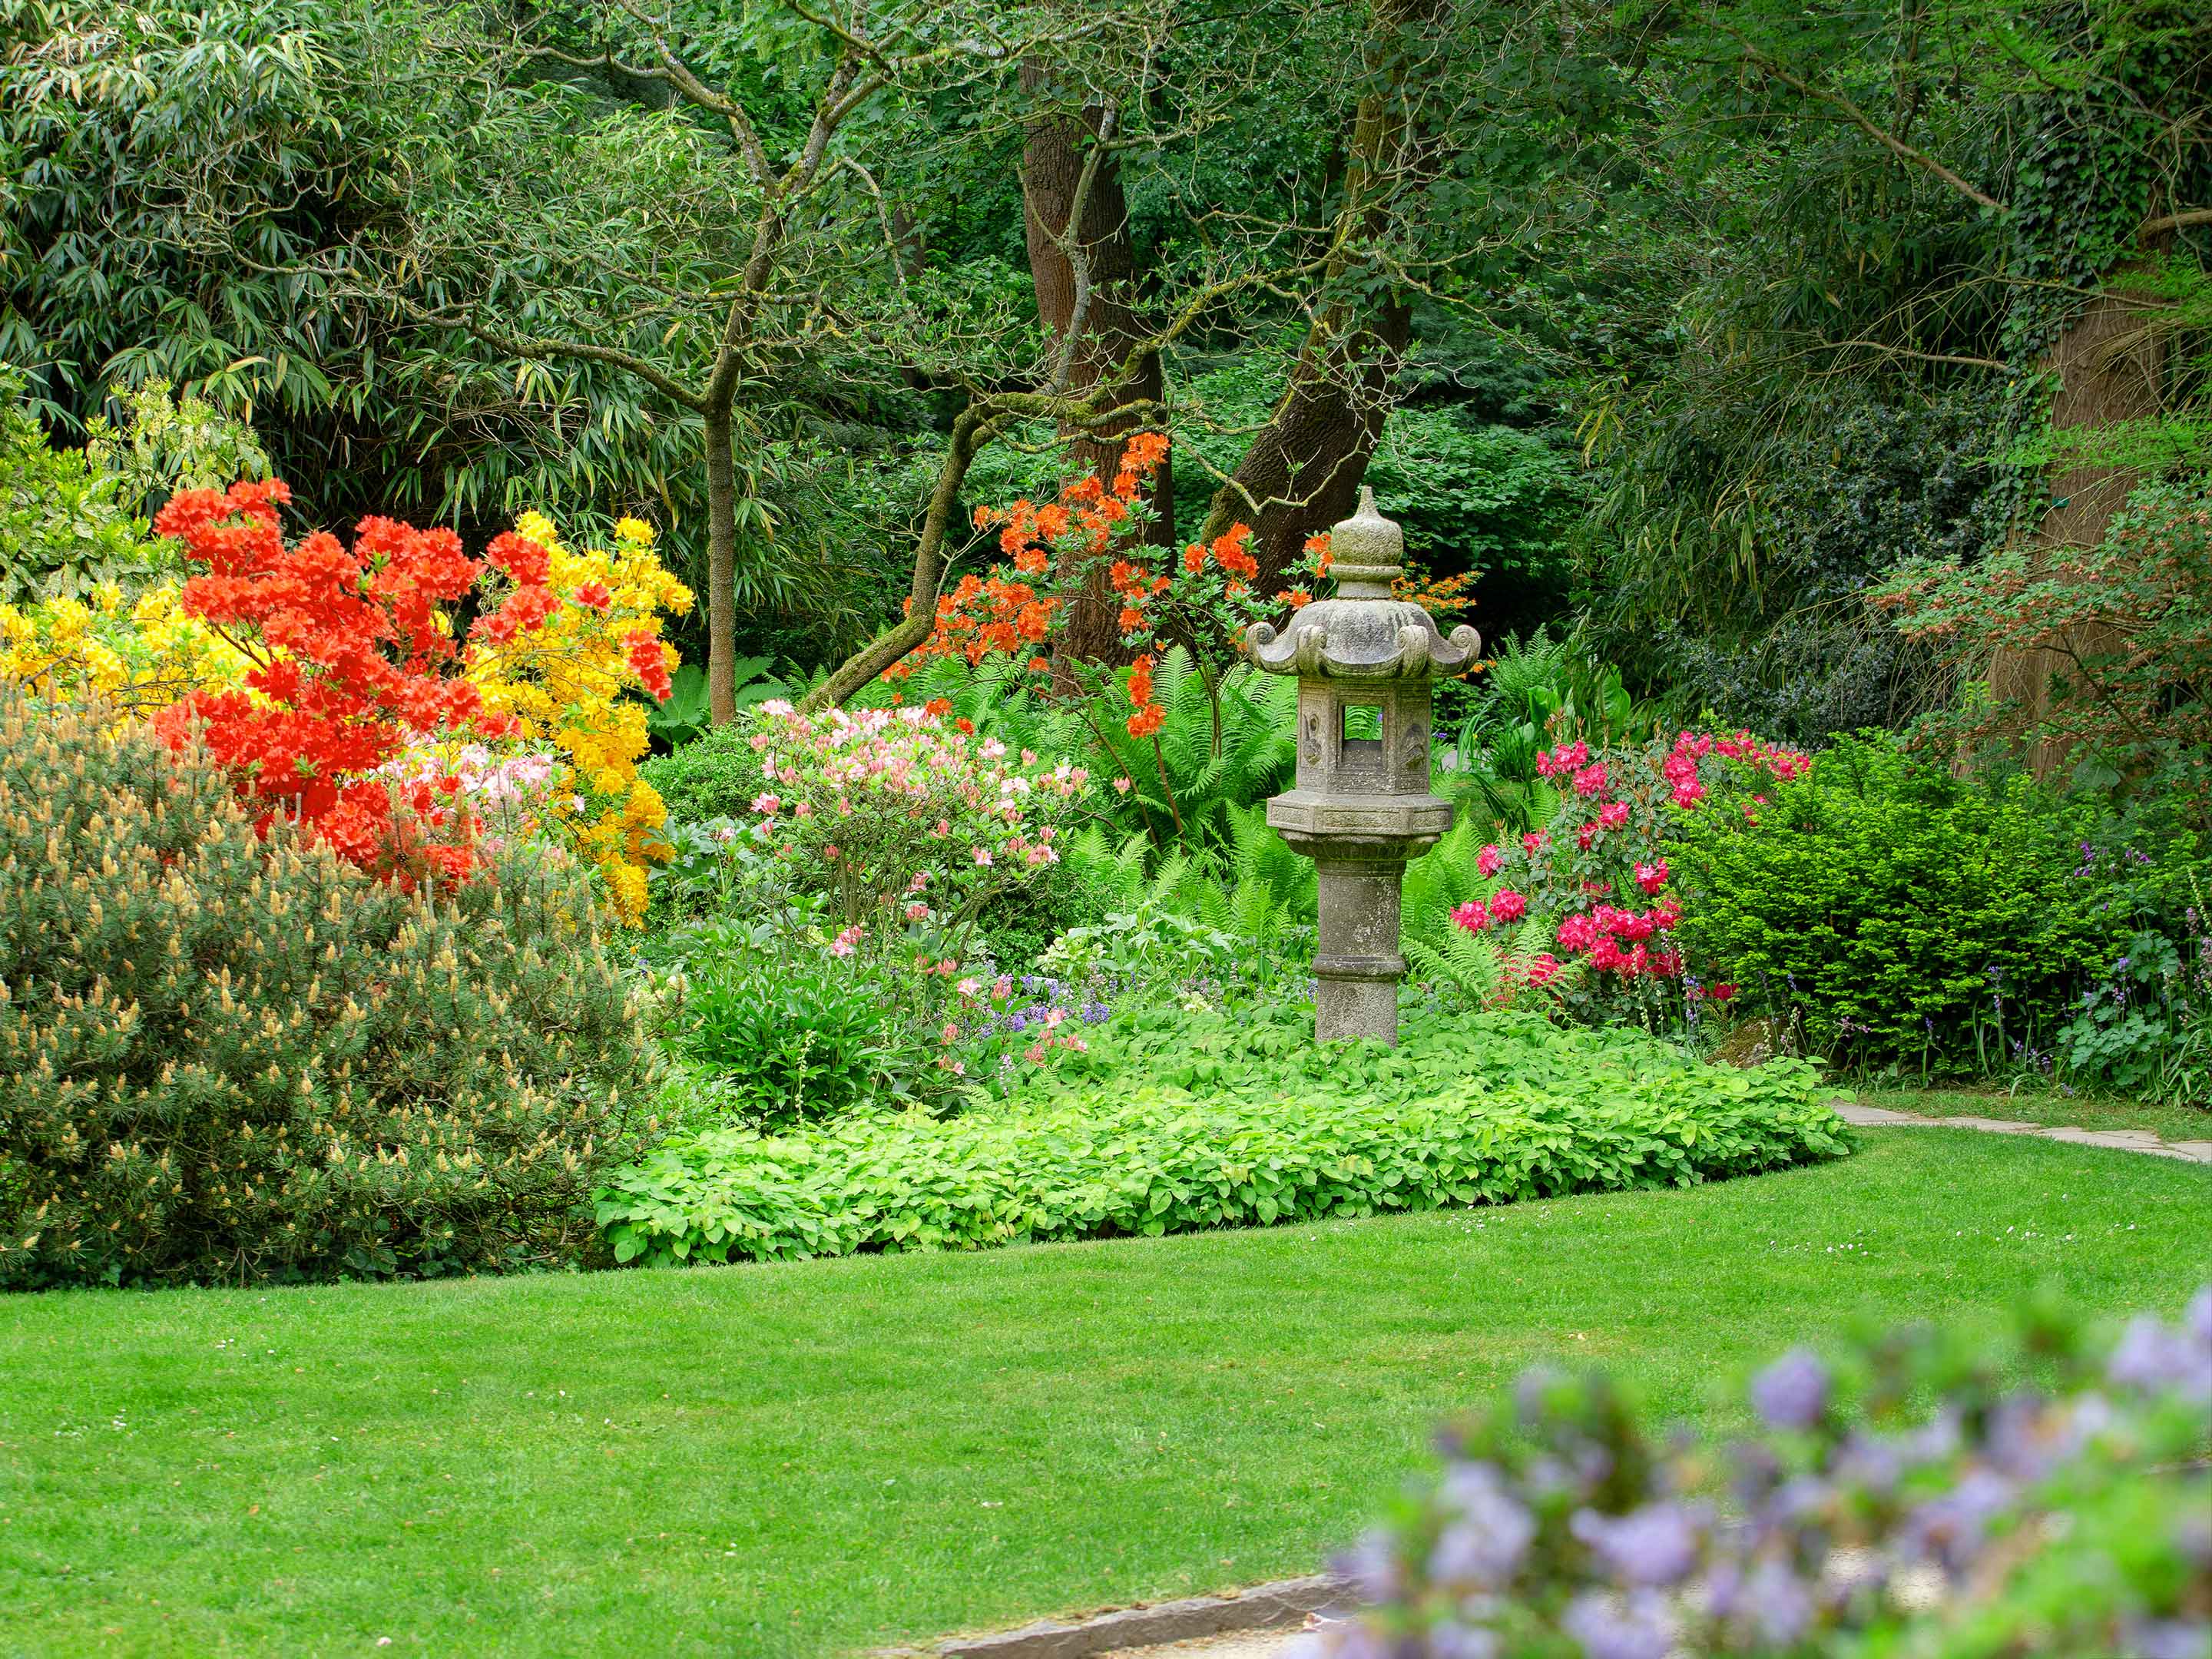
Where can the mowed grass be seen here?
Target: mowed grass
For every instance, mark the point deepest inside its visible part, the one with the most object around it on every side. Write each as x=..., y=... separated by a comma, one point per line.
x=806, y=1459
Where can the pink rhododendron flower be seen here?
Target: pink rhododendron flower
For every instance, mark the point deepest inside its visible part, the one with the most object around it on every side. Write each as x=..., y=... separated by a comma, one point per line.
x=1489, y=862
x=1721, y=992
x=766, y=804
x=1577, y=934
x=1507, y=905
x=844, y=943
x=1651, y=877
x=1590, y=781
x=1473, y=915
x=1613, y=814
x=1534, y=842
x=982, y=854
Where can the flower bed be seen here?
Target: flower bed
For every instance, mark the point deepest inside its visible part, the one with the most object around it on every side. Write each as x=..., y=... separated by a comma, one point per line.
x=1236, y=1124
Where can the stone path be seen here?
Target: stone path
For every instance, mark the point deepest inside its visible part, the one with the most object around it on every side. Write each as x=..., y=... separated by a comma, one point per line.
x=2122, y=1140
x=1240, y=1645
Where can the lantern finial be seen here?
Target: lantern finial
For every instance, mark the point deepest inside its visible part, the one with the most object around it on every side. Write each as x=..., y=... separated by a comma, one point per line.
x=1364, y=551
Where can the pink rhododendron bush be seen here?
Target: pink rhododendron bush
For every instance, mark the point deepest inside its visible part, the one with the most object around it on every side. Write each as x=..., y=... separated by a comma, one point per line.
x=906, y=812
x=1592, y=888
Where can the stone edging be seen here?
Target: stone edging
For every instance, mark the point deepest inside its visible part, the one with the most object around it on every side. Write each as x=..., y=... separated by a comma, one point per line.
x=2120, y=1140
x=1264, y=1606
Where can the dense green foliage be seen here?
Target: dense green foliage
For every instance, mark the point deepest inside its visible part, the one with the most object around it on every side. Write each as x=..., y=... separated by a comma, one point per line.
x=232, y=1059
x=1901, y=917
x=1239, y=1121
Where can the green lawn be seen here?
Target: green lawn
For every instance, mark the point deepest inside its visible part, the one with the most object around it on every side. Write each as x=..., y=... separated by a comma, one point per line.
x=801, y=1460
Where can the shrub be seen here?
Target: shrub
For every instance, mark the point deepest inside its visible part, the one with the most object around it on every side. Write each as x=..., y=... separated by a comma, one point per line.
x=2063, y=1517
x=1175, y=1121
x=227, y=1057
x=716, y=776
x=1595, y=884
x=909, y=818
x=66, y=524
x=1899, y=916
x=796, y=1036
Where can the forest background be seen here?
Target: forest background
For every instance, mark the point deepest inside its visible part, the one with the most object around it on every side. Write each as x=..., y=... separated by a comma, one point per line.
x=1688, y=324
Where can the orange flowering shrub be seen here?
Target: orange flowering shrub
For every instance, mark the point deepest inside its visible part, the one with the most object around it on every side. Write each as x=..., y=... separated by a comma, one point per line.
x=1201, y=599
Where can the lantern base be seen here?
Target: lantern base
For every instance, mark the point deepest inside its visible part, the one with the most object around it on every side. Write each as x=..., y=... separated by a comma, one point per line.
x=1344, y=1007
x=1357, y=966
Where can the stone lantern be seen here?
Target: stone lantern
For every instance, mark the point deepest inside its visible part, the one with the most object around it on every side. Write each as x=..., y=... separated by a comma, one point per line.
x=1362, y=806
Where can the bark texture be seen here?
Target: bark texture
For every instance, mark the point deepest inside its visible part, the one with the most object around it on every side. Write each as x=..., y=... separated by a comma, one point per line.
x=2109, y=362
x=1104, y=321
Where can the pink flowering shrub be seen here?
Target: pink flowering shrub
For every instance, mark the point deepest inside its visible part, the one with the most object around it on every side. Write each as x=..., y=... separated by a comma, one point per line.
x=509, y=794
x=914, y=825
x=1594, y=887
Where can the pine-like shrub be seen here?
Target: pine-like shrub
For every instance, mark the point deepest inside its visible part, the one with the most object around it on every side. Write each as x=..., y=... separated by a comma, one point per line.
x=225, y=1058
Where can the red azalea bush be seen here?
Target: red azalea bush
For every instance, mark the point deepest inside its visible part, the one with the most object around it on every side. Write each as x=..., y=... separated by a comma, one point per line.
x=354, y=656
x=1595, y=880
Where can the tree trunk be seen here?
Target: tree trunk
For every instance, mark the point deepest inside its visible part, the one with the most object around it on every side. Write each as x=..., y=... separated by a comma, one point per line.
x=971, y=430
x=2108, y=362
x=1305, y=466
x=1053, y=154
x=1303, y=470
x=721, y=567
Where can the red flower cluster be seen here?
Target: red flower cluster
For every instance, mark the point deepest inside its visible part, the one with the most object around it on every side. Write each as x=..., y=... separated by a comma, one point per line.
x=1015, y=609
x=1681, y=768
x=1149, y=716
x=1601, y=935
x=649, y=657
x=350, y=659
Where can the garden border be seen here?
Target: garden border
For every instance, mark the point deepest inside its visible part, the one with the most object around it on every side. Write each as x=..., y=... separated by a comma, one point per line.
x=2118, y=1141
x=1273, y=1606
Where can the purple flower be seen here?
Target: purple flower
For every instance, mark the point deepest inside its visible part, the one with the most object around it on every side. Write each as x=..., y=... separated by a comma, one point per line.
x=1611, y=1627
x=2196, y=1318
x=1372, y=1567
x=1777, y=1602
x=1793, y=1392
x=2155, y=1358
x=1949, y=1529
x=1654, y=1544
x=1457, y=1641
x=1492, y=1533
x=2167, y=1638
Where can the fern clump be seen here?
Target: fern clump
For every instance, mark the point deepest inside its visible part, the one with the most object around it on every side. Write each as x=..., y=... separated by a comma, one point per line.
x=226, y=1058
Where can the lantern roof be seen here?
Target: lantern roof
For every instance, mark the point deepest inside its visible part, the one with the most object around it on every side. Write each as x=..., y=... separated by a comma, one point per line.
x=1364, y=632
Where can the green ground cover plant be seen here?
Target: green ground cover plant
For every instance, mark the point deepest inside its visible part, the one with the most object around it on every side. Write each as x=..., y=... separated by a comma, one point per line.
x=1239, y=1121
x=809, y=1459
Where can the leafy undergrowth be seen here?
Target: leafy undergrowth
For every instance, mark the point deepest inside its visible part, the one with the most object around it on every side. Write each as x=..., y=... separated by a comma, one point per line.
x=1238, y=1120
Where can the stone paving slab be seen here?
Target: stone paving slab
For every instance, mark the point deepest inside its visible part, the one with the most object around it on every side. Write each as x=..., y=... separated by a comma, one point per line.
x=2118, y=1141
x=1280, y=1607
x=1245, y=1644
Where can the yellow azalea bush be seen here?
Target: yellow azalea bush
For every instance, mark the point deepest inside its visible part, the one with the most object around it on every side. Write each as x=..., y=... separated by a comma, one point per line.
x=565, y=680
x=135, y=655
